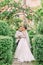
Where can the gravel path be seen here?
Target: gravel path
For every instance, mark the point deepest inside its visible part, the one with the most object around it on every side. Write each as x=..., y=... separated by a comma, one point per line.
x=15, y=62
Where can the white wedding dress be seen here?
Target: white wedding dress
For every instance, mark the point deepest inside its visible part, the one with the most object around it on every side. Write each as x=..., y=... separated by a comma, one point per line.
x=23, y=52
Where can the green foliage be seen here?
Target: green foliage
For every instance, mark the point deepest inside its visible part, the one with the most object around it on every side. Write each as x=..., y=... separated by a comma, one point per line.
x=7, y=31
x=4, y=28
x=3, y=3
x=14, y=43
x=17, y=21
x=6, y=46
x=40, y=12
x=11, y=4
x=16, y=5
x=37, y=43
x=40, y=28
x=42, y=3
x=31, y=34
x=29, y=17
x=1, y=63
x=4, y=14
x=15, y=9
x=7, y=14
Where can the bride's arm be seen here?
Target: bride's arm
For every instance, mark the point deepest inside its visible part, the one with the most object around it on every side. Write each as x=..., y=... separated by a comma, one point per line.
x=17, y=35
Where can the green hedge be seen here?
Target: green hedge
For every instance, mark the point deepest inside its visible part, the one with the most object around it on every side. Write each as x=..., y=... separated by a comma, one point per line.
x=13, y=36
x=4, y=28
x=7, y=31
x=31, y=34
x=6, y=46
x=40, y=28
x=37, y=43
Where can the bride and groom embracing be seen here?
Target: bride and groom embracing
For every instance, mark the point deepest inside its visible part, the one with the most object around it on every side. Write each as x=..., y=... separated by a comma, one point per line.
x=23, y=50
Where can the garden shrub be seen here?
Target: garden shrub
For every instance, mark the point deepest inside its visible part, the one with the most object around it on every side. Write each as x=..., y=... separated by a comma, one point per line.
x=6, y=46
x=7, y=31
x=13, y=36
x=5, y=64
x=4, y=28
x=31, y=34
x=37, y=43
x=40, y=28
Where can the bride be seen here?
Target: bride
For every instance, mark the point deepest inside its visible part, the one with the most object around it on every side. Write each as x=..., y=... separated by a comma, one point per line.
x=23, y=52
